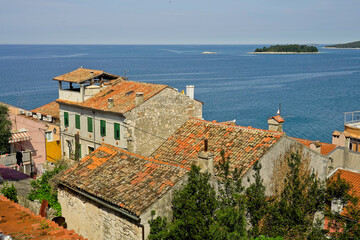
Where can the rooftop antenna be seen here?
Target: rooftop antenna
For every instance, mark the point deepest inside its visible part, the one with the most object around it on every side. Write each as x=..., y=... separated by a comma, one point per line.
x=125, y=75
x=279, y=110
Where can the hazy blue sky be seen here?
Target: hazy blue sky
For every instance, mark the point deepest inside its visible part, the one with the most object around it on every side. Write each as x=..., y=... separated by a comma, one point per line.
x=179, y=21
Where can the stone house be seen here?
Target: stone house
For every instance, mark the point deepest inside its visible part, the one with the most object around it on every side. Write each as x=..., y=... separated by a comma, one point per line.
x=106, y=108
x=110, y=194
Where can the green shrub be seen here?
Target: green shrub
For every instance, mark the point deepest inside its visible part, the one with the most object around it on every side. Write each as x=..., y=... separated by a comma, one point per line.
x=9, y=192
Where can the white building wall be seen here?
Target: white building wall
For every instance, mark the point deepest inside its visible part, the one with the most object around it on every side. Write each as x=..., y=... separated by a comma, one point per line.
x=88, y=139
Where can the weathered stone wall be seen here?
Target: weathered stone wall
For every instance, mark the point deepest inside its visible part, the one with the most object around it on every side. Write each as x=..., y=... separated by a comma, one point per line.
x=152, y=122
x=344, y=158
x=94, y=221
x=273, y=169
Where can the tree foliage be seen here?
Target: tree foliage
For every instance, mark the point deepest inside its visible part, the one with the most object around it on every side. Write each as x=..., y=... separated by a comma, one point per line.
x=288, y=48
x=292, y=216
x=5, y=129
x=43, y=190
x=9, y=191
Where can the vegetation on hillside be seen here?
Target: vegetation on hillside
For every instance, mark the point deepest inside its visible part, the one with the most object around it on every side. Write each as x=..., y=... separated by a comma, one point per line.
x=42, y=188
x=288, y=48
x=9, y=191
x=346, y=45
x=290, y=214
x=5, y=129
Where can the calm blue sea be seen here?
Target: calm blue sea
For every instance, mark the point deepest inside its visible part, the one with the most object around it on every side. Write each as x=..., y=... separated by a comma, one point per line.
x=314, y=90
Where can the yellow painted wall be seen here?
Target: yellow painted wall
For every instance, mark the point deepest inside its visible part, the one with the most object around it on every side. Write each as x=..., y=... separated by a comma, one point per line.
x=53, y=151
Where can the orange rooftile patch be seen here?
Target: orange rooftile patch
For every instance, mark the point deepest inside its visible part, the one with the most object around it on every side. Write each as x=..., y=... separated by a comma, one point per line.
x=123, y=93
x=131, y=182
x=51, y=109
x=326, y=148
x=21, y=223
x=82, y=74
x=241, y=144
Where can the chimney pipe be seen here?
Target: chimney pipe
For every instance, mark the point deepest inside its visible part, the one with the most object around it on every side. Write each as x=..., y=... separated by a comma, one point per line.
x=190, y=91
x=206, y=159
x=110, y=103
x=139, y=98
x=205, y=145
x=316, y=146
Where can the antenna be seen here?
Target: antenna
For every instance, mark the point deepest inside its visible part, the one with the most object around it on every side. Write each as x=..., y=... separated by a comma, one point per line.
x=125, y=74
x=279, y=110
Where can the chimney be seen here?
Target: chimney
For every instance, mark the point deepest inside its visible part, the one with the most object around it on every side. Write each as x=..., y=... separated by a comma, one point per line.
x=206, y=159
x=139, y=98
x=110, y=103
x=190, y=91
x=316, y=146
x=276, y=123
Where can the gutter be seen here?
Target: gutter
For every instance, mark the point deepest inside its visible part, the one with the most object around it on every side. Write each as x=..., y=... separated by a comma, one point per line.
x=101, y=202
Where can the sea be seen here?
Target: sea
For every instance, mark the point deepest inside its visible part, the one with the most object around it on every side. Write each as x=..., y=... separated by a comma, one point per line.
x=314, y=90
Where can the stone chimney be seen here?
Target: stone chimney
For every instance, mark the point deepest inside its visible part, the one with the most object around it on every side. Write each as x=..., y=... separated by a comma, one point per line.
x=206, y=159
x=276, y=123
x=110, y=103
x=190, y=91
x=139, y=98
x=316, y=146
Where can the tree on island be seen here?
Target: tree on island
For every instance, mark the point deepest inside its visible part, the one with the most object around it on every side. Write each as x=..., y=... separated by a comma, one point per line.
x=288, y=48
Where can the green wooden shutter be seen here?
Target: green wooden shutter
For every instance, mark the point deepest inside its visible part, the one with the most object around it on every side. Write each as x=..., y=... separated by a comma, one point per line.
x=66, y=119
x=117, y=131
x=77, y=121
x=90, y=124
x=103, y=128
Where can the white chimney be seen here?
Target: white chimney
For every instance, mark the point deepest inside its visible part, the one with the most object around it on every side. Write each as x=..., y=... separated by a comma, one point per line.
x=206, y=159
x=190, y=91
x=110, y=103
x=139, y=98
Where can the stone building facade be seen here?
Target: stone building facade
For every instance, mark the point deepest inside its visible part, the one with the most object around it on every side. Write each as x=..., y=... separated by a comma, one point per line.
x=114, y=188
x=108, y=109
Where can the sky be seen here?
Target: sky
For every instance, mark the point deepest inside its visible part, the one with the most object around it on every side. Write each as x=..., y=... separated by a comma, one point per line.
x=179, y=21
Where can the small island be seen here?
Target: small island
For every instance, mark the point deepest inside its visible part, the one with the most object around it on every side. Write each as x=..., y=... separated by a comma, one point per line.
x=350, y=45
x=287, y=49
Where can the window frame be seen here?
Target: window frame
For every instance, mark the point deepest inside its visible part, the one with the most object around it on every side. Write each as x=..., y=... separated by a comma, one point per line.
x=77, y=121
x=103, y=128
x=66, y=119
x=116, y=131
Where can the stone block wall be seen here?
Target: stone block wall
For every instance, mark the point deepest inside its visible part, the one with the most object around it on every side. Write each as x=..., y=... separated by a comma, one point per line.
x=152, y=122
x=94, y=221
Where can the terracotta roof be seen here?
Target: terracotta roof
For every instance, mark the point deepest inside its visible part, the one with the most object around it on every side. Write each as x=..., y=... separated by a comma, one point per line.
x=123, y=94
x=326, y=148
x=10, y=174
x=354, y=179
x=278, y=118
x=243, y=145
x=21, y=223
x=81, y=75
x=48, y=109
x=127, y=180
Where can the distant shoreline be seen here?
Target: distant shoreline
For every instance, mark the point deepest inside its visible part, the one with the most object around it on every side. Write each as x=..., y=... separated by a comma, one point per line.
x=284, y=52
x=340, y=48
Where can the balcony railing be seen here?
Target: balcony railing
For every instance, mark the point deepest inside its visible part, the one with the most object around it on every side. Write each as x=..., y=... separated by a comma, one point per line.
x=352, y=117
x=10, y=159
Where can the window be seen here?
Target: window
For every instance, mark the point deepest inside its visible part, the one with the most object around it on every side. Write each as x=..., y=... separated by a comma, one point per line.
x=77, y=121
x=102, y=128
x=90, y=149
x=90, y=124
x=66, y=119
x=49, y=136
x=117, y=131
x=79, y=151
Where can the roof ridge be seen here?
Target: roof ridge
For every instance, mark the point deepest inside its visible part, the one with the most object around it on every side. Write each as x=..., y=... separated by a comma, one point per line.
x=149, y=159
x=236, y=126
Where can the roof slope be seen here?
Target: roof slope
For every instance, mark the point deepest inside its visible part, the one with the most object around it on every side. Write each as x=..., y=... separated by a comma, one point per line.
x=124, y=179
x=243, y=145
x=21, y=223
x=49, y=109
x=354, y=179
x=7, y=173
x=326, y=148
x=123, y=93
x=81, y=75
